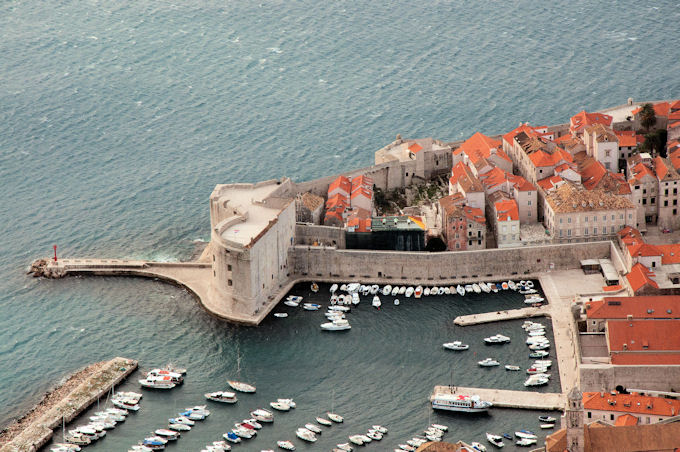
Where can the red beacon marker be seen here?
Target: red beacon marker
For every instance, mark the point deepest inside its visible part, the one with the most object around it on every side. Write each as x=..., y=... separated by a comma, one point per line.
x=55, y=252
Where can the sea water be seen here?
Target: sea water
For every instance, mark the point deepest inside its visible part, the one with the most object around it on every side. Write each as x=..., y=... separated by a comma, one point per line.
x=117, y=120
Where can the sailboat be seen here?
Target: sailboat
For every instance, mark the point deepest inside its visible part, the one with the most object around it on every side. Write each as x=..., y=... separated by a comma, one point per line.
x=239, y=385
x=331, y=415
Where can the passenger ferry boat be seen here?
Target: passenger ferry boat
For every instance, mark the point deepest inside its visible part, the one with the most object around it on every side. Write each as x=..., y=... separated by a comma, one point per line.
x=459, y=402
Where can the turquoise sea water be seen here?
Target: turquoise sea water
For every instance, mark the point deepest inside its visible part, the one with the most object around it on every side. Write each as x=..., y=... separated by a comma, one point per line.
x=118, y=118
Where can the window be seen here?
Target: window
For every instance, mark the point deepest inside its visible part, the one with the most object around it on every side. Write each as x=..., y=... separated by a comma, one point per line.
x=653, y=200
x=229, y=267
x=675, y=202
x=586, y=220
x=604, y=217
x=560, y=232
x=457, y=245
x=529, y=202
x=604, y=229
x=630, y=216
x=612, y=217
x=229, y=282
x=569, y=220
x=469, y=242
x=665, y=203
x=585, y=231
x=621, y=217
x=568, y=232
x=594, y=231
x=675, y=211
x=595, y=218
x=607, y=153
x=644, y=201
x=528, y=214
x=644, y=191
x=560, y=221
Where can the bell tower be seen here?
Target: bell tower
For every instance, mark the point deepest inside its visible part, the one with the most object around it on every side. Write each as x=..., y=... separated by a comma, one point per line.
x=574, y=420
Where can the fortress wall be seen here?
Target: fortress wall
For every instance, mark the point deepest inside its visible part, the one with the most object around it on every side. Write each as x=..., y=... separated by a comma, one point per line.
x=323, y=235
x=369, y=265
x=597, y=377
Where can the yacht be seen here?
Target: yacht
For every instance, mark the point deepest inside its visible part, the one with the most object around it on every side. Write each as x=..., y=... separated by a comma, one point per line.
x=158, y=373
x=477, y=446
x=240, y=386
x=336, y=325
x=280, y=406
x=497, y=339
x=376, y=302
x=179, y=427
x=526, y=442
x=409, y=291
x=488, y=362
x=538, y=354
x=288, y=402
x=125, y=404
x=323, y=421
x=262, y=415
x=459, y=402
x=335, y=417
x=181, y=420
x=527, y=434
x=306, y=435
x=287, y=445
x=455, y=345
x=536, y=380
x=476, y=288
x=496, y=440
x=418, y=292
x=511, y=367
x=157, y=383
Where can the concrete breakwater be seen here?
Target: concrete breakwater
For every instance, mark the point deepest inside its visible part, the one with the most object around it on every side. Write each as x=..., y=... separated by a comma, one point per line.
x=503, y=398
x=486, y=317
x=63, y=404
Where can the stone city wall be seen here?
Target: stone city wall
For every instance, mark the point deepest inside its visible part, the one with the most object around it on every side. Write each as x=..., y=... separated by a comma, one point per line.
x=309, y=234
x=311, y=262
x=598, y=377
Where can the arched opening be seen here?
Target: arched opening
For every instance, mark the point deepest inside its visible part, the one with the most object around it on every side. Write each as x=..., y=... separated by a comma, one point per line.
x=435, y=244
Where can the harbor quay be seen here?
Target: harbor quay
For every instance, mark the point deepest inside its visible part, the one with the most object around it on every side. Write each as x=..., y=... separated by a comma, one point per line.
x=64, y=404
x=503, y=398
x=498, y=316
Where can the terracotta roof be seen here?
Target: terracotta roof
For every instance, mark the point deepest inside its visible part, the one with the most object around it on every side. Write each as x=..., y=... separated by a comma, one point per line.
x=479, y=146
x=639, y=171
x=550, y=182
x=474, y=214
x=584, y=119
x=665, y=170
x=626, y=419
x=569, y=198
x=631, y=403
x=362, y=192
x=461, y=174
x=343, y=183
x=675, y=105
x=507, y=210
x=627, y=138
x=630, y=235
x=638, y=307
x=543, y=158
x=640, y=276
x=497, y=177
x=362, y=181
x=449, y=204
x=310, y=201
x=646, y=359
x=527, y=129
x=643, y=335
x=415, y=148
x=603, y=134
x=359, y=224
x=337, y=200
x=614, y=288
x=660, y=109
x=674, y=154
x=595, y=176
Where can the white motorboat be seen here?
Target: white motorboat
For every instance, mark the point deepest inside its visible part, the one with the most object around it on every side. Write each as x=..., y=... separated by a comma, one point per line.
x=240, y=386
x=125, y=404
x=280, y=315
x=168, y=434
x=533, y=299
x=529, y=284
x=496, y=440
x=537, y=332
x=279, y=406
x=538, y=354
x=546, y=426
x=395, y=291
x=536, y=380
x=541, y=346
x=477, y=446
x=288, y=402
x=468, y=288
x=311, y=306
x=543, y=362
x=313, y=428
x=323, y=421
x=537, y=340
x=527, y=434
x=306, y=435
x=460, y=402
x=365, y=439
x=426, y=292
x=333, y=288
x=527, y=291
x=179, y=427
x=374, y=289
x=376, y=302
x=355, y=298
x=64, y=447
x=222, y=396
x=376, y=436
x=387, y=290
x=287, y=445
x=339, y=308
x=497, y=339
x=409, y=291
x=526, y=442
x=157, y=383
x=291, y=303
x=356, y=439
x=262, y=415
x=547, y=419
x=335, y=417
x=402, y=290
x=488, y=362
x=181, y=420
x=460, y=289
x=440, y=291
x=406, y=447
x=418, y=292
x=253, y=423
x=243, y=432
x=165, y=374
x=536, y=370
x=512, y=285
x=485, y=287
x=365, y=290
x=314, y=287
x=511, y=367
x=434, y=291
x=396, y=302
x=294, y=298
x=232, y=437
x=476, y=288
x=455, y=345
x=336, y=325
x=447, y=291
x=383, y=430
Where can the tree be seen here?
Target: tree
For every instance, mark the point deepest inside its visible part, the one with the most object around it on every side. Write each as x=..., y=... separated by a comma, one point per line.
x=647, y=117
x=655, y=142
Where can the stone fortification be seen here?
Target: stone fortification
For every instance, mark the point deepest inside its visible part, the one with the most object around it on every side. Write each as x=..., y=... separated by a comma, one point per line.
x=311, y=234
x=599, y=377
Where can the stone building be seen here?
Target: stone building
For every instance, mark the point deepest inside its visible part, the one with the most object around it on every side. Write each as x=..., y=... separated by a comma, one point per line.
x=421, y=159
x=602, y=144
x=668, y=177
x=609, y=406
x=463, y=227
x=252, y=230
x=309, y=208
x=505, y=217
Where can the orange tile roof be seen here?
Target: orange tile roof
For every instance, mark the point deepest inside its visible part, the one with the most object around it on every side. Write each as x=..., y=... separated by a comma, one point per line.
x=626, y=419
x=665, y=170
x=497, y=177
x=549, y=182
x=359, y=224
x=362, y=181
x=530, y=131
x=474, y=214
x=660, y=109
x=630, y=235
x=563, y=138
x=646, y=359
x=643, y=335
x=628, y=138
x=631, y=403
x=461, y=174
x=675, y=105
x=415, y=148
x=507, y=210
x=614, y=288
x=337, y=200
x=638, y=307
x=595, y=175
x=674, y=116
x=449, y=204
x=583, y=119
x=479, y=146
x=343, y=183
x=639, y=171
x=362, y=192
x=543, y=158
x=640, y=276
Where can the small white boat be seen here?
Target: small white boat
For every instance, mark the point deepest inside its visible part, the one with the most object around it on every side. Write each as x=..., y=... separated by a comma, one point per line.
x=333, y=288
x=418, y=292
x=547, y=419
x=387, y=290
x=157, y=383
x=504, y=285
x=512, y=285
x=339, y=308
x=539, y=381
x=476, y=288
x=323, y=421
x=526, y=442
x=240, y=386
x=179, y=427
x=529, y=284
x=291, y=303
x=287, y=445
x=441, y=291
x=485, y=287
x=511, y=367
x=181, y=420
x=343, y=287
x=497, y=339
x=288, y=402
x=383, y=430
x=377, y=436
x=356, y=439
x=426, y=292
x=402, y=290
x=222, y=396
x=311, y=306
x=279, y=406
x=336, y=325
x=376, y=302
x=395, y=291
x=313, y=428
x=526, y=434
x=538, y=354
x=396, y=302
x=374, y=289
x=477, y=446
x=355, y=299
x=125, y=404
x=539, y=346
x=335, y=417
x=314, y=287
x=365, y=290
x=281, y=315
x=168, y=434
x=409, y=291
x=460, y=289
x=455, y=345
x=488, y=362
x=434, y=291
x=546, y=426
x=468, y=288
x=262, y=415
x=527, y=291
x=496, y=440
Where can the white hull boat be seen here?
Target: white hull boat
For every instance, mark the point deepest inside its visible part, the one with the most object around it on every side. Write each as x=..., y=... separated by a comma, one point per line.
x=418, y=292
x=409, y=292
x=476, y=288
x=460, y=290
x=241, y=387
x=461, y=403
x=496, y=440
x=222, y=396
x=336, y=325
x=455, y=345
x=387, y=290
x=305, y=435
x=335, y=417
x=426, y=292
x=376, y=302
x=488, y=362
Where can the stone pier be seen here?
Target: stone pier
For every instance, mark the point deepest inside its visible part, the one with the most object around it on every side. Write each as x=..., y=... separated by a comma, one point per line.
x=502, y=398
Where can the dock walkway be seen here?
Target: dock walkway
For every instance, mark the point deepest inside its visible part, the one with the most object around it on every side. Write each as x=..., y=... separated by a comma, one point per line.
x=487, y=317
x=503, y=398
x=39, y=426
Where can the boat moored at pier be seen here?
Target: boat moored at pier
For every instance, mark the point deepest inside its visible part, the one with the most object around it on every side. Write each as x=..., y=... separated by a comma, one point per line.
x=460, y=402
